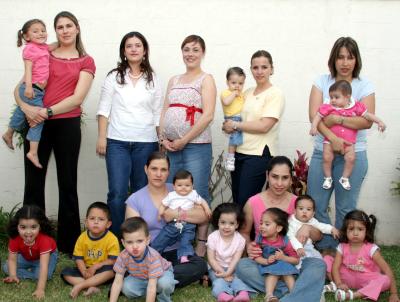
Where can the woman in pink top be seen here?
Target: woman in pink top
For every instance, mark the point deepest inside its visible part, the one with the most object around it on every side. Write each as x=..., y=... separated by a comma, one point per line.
x=310, y=282
x=70, y=76
x=185, y=122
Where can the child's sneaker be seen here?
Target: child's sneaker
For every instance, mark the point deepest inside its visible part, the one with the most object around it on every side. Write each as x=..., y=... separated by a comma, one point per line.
x=230, y=163
x=327, y=183
x=344, y=181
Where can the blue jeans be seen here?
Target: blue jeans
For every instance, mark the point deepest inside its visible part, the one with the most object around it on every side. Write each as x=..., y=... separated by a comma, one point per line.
x=171, y=234
x=18, y=121
x=196, y=158
x=219, y=285
x=135, y=287
x=236, y=138
x=31, y=269
x=308, y=286
x=345, y=201
x=125, y=169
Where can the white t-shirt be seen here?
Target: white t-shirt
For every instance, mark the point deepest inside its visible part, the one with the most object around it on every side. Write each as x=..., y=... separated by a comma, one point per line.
x=133, y=111
x=175, y=201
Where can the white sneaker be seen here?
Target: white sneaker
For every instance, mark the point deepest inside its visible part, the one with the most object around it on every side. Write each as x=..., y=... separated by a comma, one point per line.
x=327, y=183
x=322, y=298
x=230, y=163
x=344, y=181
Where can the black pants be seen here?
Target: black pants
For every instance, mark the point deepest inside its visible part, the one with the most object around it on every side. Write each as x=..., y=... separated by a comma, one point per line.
x=249, y=176
x=189, y=272
x=63, y=136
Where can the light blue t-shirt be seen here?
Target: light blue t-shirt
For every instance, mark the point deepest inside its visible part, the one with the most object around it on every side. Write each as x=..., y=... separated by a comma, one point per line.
x=141, y=202
x=361, y=88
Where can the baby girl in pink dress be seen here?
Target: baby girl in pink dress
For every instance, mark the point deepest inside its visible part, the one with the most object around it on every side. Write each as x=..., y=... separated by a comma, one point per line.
x=341, y=104
x=358, y=263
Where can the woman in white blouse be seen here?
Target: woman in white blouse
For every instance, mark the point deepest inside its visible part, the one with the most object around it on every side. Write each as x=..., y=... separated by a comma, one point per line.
x=128, y=119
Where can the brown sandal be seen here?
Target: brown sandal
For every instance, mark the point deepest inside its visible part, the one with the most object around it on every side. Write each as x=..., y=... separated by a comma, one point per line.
x=271, y=299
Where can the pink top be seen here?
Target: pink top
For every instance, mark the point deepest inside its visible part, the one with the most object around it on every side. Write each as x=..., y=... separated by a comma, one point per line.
x=224, y=251
x=357, y=109
x=279, y=242
x=38, y=54
x=63, y=78
x=176, y=124
x=43, y=244
x=360, y=261
x=258, y=207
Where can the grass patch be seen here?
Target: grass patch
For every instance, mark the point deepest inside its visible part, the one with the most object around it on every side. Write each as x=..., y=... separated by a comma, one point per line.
x=57, y=290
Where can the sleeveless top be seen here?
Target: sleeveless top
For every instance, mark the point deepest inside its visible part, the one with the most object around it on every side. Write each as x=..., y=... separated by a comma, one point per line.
x=258, y=208
x=176, y=124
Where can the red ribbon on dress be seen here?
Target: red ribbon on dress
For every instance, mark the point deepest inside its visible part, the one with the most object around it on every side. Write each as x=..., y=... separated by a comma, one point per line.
x=190, y=111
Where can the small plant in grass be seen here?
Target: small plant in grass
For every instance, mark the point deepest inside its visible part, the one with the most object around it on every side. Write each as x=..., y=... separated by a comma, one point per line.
x=4, y=220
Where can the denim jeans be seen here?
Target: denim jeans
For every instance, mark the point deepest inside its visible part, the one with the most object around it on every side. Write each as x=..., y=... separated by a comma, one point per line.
x=31, y=269
x=345, y=201
x=135, y=287
x=171, y=234
x=249, y=176
x=235, y=138
x=196, y=158
x=219, y=285
x=308, y=286
x=18, y=121
x=125, y=168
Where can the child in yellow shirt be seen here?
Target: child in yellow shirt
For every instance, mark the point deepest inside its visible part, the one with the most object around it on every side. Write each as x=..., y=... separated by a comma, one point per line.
x=232, y=102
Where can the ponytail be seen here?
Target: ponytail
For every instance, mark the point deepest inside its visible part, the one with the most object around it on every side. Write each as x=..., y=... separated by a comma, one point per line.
x=20, y=37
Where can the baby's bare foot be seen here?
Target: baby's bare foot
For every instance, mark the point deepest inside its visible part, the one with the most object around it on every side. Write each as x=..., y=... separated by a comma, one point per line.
x=34, y=159
x=8, y=139
x=91, y=291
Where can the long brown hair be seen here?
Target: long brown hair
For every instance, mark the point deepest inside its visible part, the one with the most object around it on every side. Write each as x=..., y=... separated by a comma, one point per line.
x=78, y=44
x=123, y=64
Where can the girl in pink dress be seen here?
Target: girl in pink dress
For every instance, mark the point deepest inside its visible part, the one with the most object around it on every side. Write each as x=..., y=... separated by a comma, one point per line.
x=341, y=104
x=358, y=263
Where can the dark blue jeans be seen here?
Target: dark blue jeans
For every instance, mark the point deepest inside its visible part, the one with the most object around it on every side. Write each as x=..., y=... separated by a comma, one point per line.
x=249, y=176
x=125, y=169
x=171, y=234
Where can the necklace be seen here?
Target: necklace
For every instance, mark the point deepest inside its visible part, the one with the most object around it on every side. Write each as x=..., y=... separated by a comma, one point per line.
x=135, y=77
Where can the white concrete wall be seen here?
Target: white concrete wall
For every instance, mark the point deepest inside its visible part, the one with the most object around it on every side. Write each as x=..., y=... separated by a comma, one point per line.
x=299, y=34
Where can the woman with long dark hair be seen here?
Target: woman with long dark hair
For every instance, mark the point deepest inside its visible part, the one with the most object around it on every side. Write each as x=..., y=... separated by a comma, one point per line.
x=71, y=73
x=128, y=118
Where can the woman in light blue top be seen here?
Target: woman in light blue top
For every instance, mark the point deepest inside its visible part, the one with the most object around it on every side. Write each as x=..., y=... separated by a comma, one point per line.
x=344, y=64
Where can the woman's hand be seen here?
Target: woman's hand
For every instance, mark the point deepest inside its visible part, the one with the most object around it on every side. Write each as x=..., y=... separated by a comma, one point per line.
x=167, y=144
x=303, y=233
x=178, y=144
x=253, y=250
x=331, y=120
x=11, y=279
x=227, y=126
x=101, y=146
x=339, y=144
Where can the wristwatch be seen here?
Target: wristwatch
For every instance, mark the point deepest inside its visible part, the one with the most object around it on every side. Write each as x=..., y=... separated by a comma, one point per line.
x=49, y=112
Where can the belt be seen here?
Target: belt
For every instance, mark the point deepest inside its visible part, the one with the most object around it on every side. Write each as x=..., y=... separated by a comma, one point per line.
x=190, y=111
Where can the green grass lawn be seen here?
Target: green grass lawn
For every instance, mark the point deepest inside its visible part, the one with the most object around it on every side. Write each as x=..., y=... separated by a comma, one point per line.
x=57, y=290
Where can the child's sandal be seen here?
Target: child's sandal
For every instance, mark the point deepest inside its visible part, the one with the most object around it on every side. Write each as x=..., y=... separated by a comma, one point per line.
x=330, y=288
x=271, y=299
x=340, y=295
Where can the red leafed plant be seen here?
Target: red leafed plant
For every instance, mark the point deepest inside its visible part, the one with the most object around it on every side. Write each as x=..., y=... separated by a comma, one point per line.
x=299, y=185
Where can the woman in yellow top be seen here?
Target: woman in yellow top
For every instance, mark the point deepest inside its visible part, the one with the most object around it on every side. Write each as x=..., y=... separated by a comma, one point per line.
x=261, y=113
